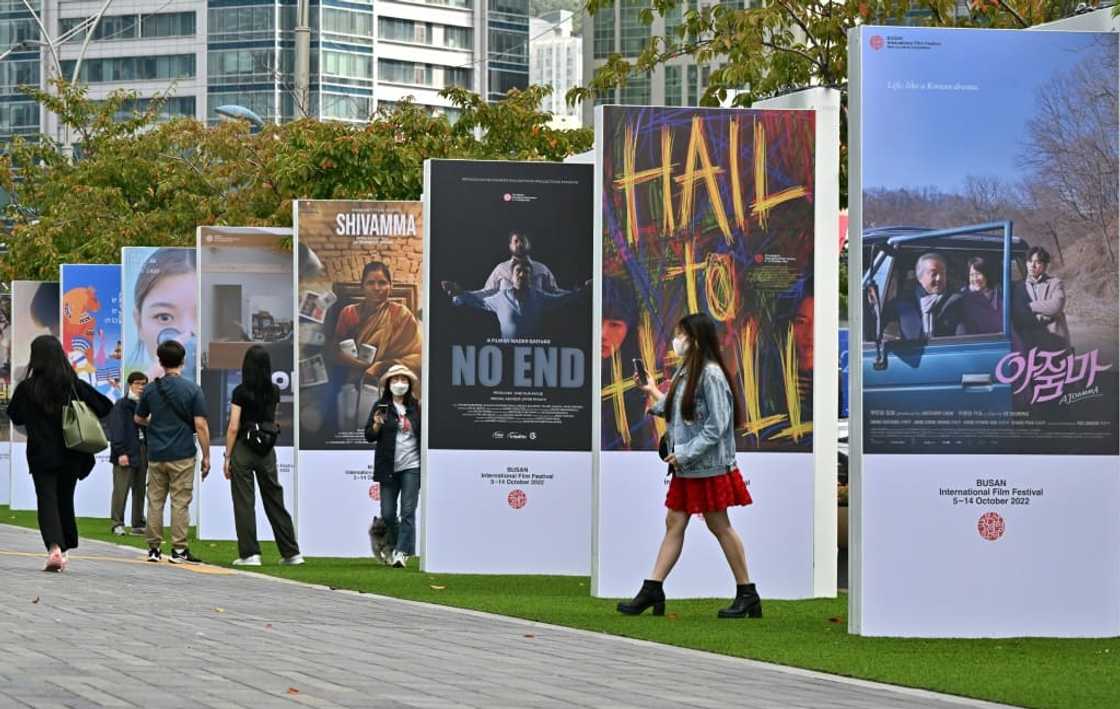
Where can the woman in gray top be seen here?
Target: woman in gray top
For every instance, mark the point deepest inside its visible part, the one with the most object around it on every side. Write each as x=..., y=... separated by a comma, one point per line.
x=702, y=411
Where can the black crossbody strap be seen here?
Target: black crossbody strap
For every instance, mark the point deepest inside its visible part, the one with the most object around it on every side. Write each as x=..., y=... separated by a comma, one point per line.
x=174, y=406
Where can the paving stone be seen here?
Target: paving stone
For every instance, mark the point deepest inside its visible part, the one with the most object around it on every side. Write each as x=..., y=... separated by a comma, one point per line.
x=116, y=633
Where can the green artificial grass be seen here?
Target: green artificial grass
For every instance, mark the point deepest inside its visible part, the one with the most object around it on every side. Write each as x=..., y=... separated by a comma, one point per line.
x=812, y=634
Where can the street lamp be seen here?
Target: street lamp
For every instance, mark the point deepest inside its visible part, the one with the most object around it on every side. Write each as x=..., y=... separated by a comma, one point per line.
x=241, y=113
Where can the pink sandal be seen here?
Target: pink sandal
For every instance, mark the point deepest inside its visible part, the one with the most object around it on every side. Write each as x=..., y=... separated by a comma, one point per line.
x=55, y=561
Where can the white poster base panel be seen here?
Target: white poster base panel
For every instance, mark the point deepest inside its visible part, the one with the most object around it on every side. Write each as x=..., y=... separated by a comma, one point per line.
x=777, y=530
x=1034, y=555
x=337, y=500
x=5, y=473
x=92, y=498
x=22, y=486
x=215, y=513
x=508, y=512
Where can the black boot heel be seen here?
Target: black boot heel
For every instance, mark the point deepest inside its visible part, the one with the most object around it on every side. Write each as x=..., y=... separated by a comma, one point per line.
x=746, y=604
x=651, y=596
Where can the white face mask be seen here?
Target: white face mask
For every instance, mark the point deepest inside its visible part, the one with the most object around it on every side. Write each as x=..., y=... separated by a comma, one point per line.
x=399, y=388
x=680, y=345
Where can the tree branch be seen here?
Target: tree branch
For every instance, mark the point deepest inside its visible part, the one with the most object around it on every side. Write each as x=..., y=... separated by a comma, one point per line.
x=791, y=50
x=1013, y=13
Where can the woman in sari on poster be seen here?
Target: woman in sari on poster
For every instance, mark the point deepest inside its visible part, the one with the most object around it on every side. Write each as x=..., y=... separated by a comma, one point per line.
x=372, y=336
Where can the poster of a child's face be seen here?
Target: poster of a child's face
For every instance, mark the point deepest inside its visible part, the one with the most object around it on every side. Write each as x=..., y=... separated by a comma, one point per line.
x=161, y=304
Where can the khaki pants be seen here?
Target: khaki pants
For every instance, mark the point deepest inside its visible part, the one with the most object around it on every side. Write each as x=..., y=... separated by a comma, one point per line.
x=176, y=476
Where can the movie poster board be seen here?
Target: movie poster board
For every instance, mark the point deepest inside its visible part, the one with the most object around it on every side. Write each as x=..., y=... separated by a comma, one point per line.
x=245, y=289
x=348, y=336
x=90, y=319
x=719, y=211
x=5, y=396
x=159, y=296
x=985, y=469
x=35, y=308
x=507, y=425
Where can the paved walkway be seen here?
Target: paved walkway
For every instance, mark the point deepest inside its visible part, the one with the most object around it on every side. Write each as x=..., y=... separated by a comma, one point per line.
x=116, y=631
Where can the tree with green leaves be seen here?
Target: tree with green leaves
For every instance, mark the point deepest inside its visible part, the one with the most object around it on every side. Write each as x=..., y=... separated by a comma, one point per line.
x=141, y=182
x=778, y=46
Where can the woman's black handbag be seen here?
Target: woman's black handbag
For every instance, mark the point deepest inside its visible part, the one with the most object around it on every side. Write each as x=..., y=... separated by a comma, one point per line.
x=261, y=437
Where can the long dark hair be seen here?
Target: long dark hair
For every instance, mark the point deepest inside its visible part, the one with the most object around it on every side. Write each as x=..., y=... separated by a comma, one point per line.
x=49, y=374
x=703, y=348
x=256, y=377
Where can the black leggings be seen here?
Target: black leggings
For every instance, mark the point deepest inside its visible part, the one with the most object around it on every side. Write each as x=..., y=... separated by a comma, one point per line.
x=54, y=491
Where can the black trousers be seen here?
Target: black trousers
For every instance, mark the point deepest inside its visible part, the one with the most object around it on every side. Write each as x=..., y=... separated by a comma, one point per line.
x=54, y=493
x=244, y=464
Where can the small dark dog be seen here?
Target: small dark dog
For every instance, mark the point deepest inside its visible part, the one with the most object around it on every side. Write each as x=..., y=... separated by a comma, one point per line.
x=379, y=540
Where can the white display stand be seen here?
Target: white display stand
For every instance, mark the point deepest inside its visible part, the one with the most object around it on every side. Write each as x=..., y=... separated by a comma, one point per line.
x=790, y=530
x=928, y=558
x=521, y=508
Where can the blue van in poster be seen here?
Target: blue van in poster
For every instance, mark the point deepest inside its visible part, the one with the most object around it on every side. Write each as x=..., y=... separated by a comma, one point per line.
x=988, y=295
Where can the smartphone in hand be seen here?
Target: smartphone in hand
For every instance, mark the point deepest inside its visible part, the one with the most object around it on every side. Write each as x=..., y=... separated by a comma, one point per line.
x=640, y=368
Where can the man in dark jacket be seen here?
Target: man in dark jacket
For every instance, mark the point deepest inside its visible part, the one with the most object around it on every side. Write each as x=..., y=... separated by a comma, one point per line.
x=129, y=456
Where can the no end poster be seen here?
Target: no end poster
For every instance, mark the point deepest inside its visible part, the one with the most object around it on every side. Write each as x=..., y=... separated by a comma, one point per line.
x=716, y=211
x=34, y=312
x=507, y=426
x=985, y=313
x=245, y=277
x=359, y=301
x=91, y=337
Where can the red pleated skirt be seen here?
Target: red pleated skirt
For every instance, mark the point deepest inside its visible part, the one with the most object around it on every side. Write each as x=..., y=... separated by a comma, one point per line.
x=699, y=495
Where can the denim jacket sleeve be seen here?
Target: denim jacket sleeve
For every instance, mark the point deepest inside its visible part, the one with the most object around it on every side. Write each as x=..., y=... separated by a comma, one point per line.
x=717, y=395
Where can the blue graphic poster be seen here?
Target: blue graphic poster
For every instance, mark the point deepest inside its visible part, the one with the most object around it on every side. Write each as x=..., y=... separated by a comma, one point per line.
x=91, y=324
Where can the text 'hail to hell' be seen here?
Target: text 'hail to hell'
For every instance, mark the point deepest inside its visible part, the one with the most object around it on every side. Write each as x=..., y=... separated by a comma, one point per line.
x=699, y=168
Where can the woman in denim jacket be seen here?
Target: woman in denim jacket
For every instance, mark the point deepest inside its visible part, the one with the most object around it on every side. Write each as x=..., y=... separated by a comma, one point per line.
x=702, y=412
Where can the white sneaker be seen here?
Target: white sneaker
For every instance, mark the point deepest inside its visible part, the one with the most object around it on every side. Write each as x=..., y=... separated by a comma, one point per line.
x=118, y=530
x=400, y=559
x=254, y=560
x=292, y=560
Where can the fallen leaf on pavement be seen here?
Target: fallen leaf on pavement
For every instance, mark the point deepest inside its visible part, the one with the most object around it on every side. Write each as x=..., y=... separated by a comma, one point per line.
x=220, y=610
x=35, y=599
x=529, y=635
x=438, y=588
x=293, y=690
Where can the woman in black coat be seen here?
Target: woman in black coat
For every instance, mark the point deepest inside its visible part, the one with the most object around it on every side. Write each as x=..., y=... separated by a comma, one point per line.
x=394, y=428
x=37, y=405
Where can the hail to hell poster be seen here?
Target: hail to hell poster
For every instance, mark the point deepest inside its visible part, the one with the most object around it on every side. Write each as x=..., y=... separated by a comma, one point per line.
x=990, y=316
x=709, y=210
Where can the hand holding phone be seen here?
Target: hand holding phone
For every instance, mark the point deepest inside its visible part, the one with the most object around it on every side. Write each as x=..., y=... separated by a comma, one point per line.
x=640, y=371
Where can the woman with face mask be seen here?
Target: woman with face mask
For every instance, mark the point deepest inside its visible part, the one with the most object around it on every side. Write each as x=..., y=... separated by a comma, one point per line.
x=393, y=427
x=253, y=408
x=702, y=411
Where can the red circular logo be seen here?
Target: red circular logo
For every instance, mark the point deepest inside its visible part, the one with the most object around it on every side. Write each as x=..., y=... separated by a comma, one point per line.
x=507, y=197
x=517, y=499
x=375, y=492
x=758, y=258
x=990, y=526
x=877, y=42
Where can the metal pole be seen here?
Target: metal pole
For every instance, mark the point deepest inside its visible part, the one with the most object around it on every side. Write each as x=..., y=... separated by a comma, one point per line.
x=303, y=59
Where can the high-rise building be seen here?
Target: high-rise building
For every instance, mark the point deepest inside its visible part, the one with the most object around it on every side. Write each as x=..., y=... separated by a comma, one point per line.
x=556, y=60
x=210, y=53
x=618, y=29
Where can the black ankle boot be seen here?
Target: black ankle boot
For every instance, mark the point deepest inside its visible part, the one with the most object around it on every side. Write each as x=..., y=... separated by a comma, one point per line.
x=650, y=595
x=746, y=603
